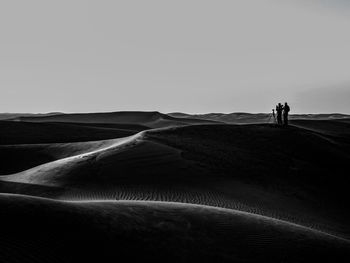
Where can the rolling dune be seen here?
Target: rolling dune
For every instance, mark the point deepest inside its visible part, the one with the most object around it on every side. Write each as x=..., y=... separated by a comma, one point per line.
x=217, y=165
x=250, y=118
x=12, y=132
x=11, y=116
x=24, y=156
x=149, y=119
x=213, y=192
x=158, y=231
x=338, y=128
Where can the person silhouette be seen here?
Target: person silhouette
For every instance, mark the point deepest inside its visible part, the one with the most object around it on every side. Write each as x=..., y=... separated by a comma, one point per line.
x=279, y=110
x=286, y=110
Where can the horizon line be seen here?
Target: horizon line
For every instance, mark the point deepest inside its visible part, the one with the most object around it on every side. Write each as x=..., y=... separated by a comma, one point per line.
x=172, y=112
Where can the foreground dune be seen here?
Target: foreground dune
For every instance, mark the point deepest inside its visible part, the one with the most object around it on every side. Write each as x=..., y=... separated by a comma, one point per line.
x=227, y=193
x=235, y=167
x=42, y=230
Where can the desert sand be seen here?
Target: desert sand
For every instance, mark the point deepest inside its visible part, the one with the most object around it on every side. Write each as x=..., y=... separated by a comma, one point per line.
x=151, y=187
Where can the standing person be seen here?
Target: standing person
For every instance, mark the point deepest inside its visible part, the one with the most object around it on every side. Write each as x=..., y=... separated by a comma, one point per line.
x=286, y=110
x=279, y=110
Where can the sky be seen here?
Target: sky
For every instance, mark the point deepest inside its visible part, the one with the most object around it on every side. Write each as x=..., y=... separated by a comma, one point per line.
x=194, y=56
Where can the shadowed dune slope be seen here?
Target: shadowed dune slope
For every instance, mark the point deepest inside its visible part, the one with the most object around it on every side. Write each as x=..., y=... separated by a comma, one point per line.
x=153, y=232
x=337, y=128
x=295, y=163
x=20, y=157
x=263, y=152
x=149, y=119
x=12, y=132
x=292, y=174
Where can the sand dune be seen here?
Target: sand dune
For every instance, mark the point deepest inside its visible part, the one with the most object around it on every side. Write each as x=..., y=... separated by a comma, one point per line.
x=159, y=232
x=12, y=132
x=157, y=119
x=149, y=119
x=249, y=118
x=10, y=116
x=217, y=165
x=339, y=128
x=21, y=157
x=235, y=118
x=53, y=173
x=209, y=192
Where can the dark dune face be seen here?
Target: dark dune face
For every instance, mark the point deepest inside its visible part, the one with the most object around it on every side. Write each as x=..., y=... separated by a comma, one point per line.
x=296, y=174
x=264, y=150
x=154, y=232
x=20, y=157
x=37, y=133
x=24, y=145
x=338, y=128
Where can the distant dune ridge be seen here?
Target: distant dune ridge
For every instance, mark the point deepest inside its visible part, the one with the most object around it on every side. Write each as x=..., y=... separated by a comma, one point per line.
x=140, y=117
x=245, y=118
x=149, y=119
x=11, y=116
x=175, y=189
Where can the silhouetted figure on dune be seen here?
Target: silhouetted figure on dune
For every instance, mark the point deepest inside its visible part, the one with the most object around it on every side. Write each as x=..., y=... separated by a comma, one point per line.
x=279, y=110
x=286, y=110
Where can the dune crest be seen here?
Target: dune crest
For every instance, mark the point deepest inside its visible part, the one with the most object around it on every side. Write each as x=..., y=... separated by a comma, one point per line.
x=38, y=175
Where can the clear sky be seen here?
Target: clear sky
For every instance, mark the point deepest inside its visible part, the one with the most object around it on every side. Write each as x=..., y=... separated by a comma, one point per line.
x=192, y=56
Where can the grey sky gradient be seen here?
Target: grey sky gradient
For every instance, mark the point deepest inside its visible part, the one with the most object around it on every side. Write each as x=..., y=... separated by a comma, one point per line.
x=185, y=55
